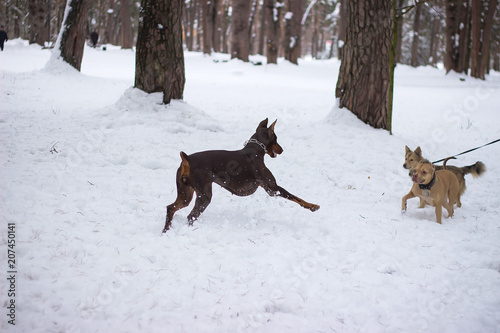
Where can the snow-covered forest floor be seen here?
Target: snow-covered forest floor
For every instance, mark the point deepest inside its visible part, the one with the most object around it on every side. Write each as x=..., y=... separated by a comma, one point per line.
x=88, y=165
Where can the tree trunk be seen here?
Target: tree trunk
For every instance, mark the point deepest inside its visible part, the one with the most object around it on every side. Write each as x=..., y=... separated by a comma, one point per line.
x=416, y=29
x=74, y=32
x=207, y=24
x=496, y=58
x=315, y=32
x=262, y=30
x=342, y=28
x=434, y=41
x=225, y=26
x=482, y=23
x=399, y=29
x=189, y=24
x=457, y=36
x=37, y=15
x=126, y=33
x=216, y=28
x=240, y=41
x=254, y=21
x=293, y=31
x=110, y=23
x=159, y=55
x=273, y=10
x=363, y=83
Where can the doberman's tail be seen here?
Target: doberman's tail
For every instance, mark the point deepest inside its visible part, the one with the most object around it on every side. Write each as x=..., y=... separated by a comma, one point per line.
x=185, y=168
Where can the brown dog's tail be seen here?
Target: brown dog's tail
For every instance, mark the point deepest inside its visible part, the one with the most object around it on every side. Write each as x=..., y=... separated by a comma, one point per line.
x=476, y=170
x=446, y=160
x=185, y=168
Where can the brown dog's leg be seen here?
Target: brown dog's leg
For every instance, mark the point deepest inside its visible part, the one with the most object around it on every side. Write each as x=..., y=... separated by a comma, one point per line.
x=439, y=212
x=203, y=199
x=449, y=208
x=184, y=197
x=405, y=199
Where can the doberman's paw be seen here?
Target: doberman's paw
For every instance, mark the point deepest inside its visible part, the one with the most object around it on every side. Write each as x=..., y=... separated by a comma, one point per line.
x=314, y=208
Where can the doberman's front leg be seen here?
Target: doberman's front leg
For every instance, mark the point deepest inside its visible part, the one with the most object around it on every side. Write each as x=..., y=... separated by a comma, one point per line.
x=203, y=198
x=274, y=190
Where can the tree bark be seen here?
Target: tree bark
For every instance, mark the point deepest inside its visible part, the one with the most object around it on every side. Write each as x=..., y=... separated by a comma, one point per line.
x=342, y=28
x=217, y=25
x=363, y=82
x=252, y=27
x=399, y=29
x=240, y=41
x=126, y=33
x=207, y=24
x=190, y=12
x=482, y=23
x=293, y=31
x=159, y=55
x=225, y=26
x=416, y=36
x=262, y=30
x=37, y=16
x=457, y=36
x=273, y=10
x=74, y=32
x=434, y=41
x=110, y=24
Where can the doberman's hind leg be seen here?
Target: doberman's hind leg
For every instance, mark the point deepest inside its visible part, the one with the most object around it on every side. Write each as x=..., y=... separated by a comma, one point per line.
x=275, y=190
x=184, y=197
x=203, y=199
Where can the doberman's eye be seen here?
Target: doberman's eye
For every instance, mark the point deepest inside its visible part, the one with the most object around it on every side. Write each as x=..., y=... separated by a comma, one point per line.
x=424, y=172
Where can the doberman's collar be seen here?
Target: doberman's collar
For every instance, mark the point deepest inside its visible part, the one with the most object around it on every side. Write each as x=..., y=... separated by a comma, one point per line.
x=263, y=146
x=428, y=186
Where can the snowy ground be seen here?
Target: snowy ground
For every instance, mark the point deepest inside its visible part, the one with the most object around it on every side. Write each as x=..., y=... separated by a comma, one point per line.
x=88, y=165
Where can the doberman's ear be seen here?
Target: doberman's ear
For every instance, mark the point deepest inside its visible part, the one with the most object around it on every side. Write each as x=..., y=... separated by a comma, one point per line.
x=271, y=128
x=263, y=124
x=418, y=151
x=407, y=150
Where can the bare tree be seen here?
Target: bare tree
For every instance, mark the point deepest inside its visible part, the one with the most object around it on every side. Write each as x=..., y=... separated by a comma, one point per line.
x=36, y=18
x=159, y=55
x=273, y=10
x=292, y=41
x=126, y=33
x=110, y=31
x=416, y=37
x=240, y=41
x=482, y=23
x=71, y=40
x=363, y=82
x=457, y=35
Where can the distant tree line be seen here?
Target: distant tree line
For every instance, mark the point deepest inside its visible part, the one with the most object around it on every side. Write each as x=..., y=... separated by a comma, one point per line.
x=464, y=35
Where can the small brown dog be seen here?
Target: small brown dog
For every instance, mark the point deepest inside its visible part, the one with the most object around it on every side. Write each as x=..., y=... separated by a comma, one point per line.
x=438, y=188
x=413, y=158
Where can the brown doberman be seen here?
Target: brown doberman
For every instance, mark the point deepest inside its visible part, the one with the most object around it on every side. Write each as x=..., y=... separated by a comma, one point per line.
x=240, y=172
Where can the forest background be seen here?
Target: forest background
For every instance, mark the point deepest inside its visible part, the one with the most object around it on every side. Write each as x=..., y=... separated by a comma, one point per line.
x=423, y=27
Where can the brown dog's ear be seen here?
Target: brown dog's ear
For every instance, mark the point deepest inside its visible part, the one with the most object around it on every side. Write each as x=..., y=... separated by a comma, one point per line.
x=263, y=124
x=407, y=150
x=418, y=151
x=271, y=128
